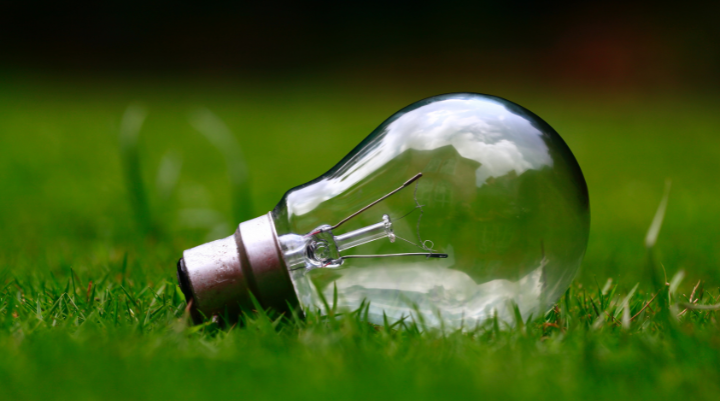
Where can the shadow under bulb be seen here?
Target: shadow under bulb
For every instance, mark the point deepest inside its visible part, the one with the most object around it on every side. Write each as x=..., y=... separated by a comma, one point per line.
x=457, y=207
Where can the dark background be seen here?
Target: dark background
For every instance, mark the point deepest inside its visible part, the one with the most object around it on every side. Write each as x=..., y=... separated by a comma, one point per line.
x=588, y=43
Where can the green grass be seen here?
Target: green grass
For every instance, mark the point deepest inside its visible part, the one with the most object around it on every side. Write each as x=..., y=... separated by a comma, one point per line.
x=71, y=214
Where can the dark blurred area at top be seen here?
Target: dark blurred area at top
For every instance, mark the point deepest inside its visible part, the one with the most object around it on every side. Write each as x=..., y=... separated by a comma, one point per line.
x=589, y=43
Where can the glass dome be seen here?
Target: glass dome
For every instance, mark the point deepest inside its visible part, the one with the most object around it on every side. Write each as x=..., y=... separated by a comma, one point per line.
x=499, y=216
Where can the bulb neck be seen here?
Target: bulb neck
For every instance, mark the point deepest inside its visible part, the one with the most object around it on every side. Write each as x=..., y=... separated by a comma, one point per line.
x=220, y=276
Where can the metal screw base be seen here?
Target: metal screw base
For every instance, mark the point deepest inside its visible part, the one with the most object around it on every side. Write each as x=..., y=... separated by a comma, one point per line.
x=220, y=276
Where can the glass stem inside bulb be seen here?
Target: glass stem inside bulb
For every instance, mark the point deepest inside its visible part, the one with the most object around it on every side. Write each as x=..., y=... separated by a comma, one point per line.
x=366, y=234
x=321, y=248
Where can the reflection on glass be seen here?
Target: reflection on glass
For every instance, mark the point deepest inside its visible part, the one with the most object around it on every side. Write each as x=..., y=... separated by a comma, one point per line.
x=483, y=206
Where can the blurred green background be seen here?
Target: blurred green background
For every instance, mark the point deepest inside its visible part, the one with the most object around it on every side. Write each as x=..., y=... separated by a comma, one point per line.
x=65, y=193
x=633, y=90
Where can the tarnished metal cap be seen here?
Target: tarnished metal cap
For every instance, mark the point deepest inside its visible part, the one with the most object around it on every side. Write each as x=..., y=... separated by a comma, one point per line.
x=219, y=276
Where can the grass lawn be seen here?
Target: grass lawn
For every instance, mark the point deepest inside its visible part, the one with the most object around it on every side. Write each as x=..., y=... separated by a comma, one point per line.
x=89, y=307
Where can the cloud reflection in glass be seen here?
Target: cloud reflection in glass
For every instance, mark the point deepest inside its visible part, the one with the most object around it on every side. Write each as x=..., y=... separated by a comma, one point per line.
x=501, y=196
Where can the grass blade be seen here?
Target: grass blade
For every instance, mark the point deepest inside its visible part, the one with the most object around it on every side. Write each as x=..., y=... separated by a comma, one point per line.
x=219, y=134
x=130, y=126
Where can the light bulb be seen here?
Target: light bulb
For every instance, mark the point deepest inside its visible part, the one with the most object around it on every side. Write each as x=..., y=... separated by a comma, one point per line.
x=460, y=207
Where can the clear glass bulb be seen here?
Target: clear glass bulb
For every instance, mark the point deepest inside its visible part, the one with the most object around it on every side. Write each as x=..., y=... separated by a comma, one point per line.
x=483, y=208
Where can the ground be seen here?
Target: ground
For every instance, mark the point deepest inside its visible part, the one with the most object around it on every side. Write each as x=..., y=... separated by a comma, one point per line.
x=89, y=308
